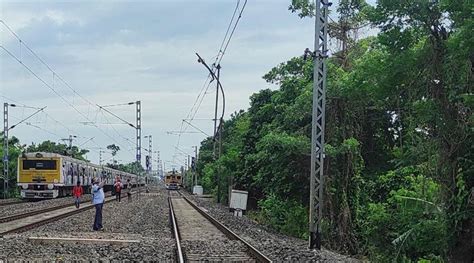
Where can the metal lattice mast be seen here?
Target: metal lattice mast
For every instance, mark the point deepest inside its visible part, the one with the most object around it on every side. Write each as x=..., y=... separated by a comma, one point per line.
x=159, y=164
x=149, y=158
x=5, y=149
x=318, y=124
x=138, y=127
x=150, y=150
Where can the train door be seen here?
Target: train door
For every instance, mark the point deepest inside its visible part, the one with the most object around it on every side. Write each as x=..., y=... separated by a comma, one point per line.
x=69, y=173
x=83, y=174
x=63, y=171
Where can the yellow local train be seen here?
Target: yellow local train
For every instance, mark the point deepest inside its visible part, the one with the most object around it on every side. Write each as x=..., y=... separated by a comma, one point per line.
x=173, y=180
x=44, y=175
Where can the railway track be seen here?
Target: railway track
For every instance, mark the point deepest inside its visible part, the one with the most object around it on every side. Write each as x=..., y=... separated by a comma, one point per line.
x=29, y=220
x=12, y=202
x=200, y=237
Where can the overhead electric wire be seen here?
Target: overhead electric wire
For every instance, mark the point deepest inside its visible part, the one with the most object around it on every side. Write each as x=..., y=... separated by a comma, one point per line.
x=219, y=56
x=221, y=52
x=120, y=135
x=25, y=119
x=54, y=74
x=42, y=129
x=43, y=62
x=119, y=104
x=233, y=30
x=218, y=60
x=116, y=116
x=190, y=124
x=19, y=104
x=51, y=88
x=82, y=144
x=39, y=128
x=40, y=79
x=227, y=31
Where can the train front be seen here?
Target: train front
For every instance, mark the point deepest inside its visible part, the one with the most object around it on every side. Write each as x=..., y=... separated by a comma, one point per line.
x=39, y=175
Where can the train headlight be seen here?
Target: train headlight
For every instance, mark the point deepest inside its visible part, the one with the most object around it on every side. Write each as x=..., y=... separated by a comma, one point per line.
x=55, y=181
x=50, y=186
x=24, y=186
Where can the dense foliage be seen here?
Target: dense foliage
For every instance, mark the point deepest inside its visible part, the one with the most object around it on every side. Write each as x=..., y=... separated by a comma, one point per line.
x=399, y=153
x=59, y=148
x=14, y=151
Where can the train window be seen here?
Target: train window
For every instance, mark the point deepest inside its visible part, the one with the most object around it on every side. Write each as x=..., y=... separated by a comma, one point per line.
x=39, y=164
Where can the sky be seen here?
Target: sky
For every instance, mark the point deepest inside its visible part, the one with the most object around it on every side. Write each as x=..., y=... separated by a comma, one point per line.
x=115, y=52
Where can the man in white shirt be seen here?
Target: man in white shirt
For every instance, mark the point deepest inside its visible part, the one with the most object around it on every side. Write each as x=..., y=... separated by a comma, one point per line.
x=98, y=198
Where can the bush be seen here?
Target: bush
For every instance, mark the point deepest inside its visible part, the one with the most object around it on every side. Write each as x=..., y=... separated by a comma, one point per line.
x=286, y=216
x=409, y=225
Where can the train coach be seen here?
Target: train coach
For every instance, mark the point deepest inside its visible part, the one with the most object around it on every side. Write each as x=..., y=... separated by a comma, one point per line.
x=173, y=180
x=44, y=175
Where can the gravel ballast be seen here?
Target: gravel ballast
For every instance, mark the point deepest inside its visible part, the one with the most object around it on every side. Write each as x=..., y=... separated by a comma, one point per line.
x=277, y=247
x=144, y=219
x=24, y=207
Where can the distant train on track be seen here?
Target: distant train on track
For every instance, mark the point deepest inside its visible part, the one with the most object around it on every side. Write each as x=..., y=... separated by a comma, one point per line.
x=173, y=180
x=44, y=175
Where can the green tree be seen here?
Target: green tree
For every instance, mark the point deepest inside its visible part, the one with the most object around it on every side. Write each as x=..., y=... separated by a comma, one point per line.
x=399, y=167
x=14, y=151
x=434, y=29
x=59, y=148
x=114, y=149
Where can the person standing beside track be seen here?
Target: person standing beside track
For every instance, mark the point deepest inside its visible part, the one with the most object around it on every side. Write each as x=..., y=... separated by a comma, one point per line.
x=98, y=198
x=77, y=192
x=118, y=189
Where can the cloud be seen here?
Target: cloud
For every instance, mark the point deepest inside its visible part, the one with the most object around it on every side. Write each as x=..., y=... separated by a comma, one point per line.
x=114, y=52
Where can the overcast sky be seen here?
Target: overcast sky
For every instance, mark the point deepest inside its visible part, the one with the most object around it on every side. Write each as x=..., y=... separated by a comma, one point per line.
x=113, y=52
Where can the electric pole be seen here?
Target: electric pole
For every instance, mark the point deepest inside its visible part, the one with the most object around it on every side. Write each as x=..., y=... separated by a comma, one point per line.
x=138, y=128
x=148, y=158
x=185, y=172
x=5, y=141
x=218, y=176
x=189, y=168
x=318, y=123
x=193, y=164
x=215, y=109
x=5, y=150
x=100, y=156
x=70, y=139
x=158, y=166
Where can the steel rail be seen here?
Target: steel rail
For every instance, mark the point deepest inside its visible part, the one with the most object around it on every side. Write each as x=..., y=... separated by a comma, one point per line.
x=254, y=252
x=11, y=202
x=175, y=231
x=50, y=219
x=32, y=213
x=37, y=212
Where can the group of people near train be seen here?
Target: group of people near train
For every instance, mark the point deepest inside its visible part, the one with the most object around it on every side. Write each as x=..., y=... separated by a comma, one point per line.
x=98, y=197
